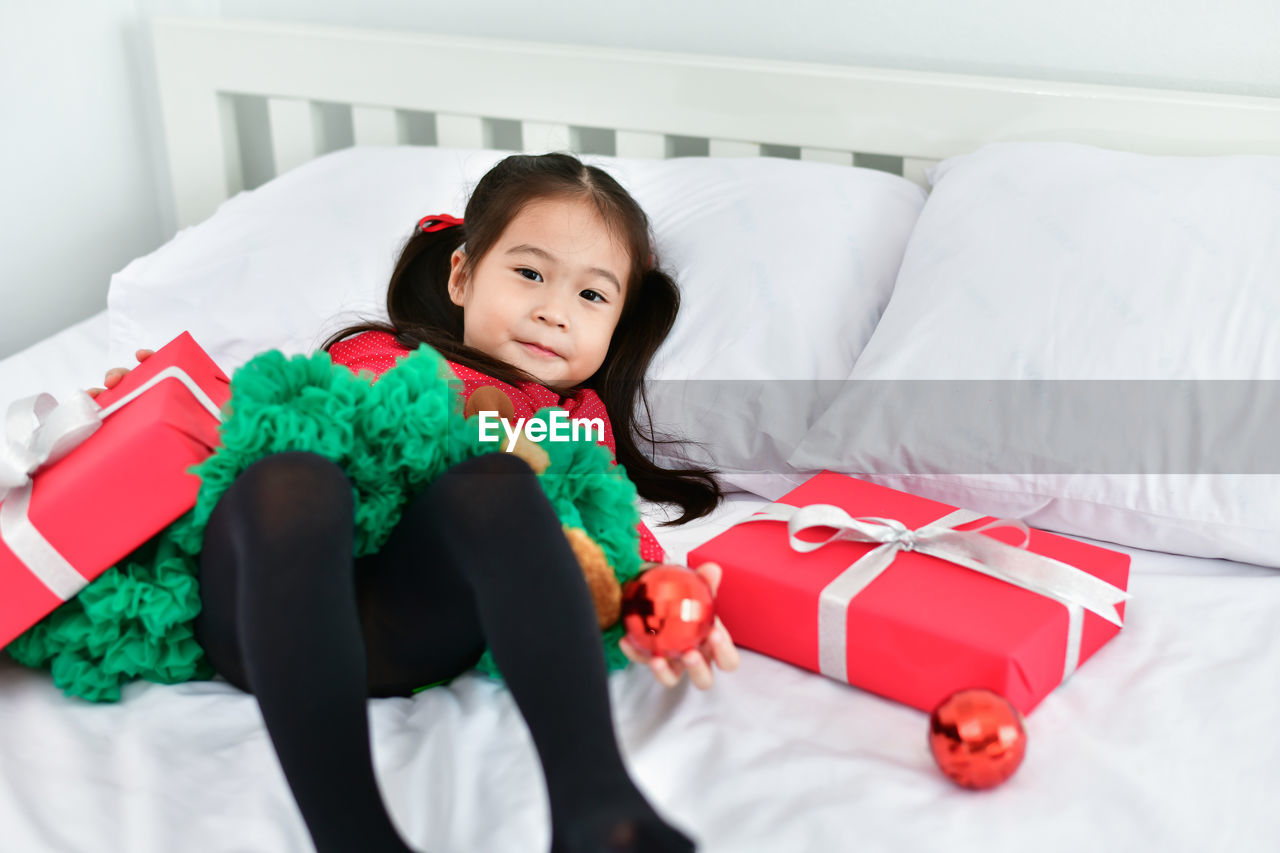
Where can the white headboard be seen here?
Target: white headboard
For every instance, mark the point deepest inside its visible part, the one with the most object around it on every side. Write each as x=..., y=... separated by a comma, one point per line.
x=243, y=101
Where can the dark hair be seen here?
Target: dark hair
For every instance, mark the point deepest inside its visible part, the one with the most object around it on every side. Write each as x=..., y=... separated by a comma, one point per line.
x=420, y=310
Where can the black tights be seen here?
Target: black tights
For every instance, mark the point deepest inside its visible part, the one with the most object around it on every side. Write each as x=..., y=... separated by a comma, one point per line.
x=478, y=557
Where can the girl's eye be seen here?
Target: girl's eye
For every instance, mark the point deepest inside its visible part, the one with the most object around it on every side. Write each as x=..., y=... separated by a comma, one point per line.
x=537, y=275
x=593, y=293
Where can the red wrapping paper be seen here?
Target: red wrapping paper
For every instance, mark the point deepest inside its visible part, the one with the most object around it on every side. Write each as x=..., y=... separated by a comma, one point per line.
x=124, y=484
x=925, y=627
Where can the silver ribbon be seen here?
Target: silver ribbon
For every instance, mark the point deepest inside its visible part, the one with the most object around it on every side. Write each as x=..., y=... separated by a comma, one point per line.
x=39, y=431
x=1075, y=589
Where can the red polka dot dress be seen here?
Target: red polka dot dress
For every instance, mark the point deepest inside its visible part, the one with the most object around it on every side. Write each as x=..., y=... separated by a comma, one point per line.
x=378, y=352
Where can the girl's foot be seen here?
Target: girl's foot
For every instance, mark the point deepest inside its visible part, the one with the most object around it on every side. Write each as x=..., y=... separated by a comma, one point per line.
x=613, y=833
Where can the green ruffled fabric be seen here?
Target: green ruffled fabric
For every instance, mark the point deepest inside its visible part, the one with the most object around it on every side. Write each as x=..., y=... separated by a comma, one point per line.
x=391, y=437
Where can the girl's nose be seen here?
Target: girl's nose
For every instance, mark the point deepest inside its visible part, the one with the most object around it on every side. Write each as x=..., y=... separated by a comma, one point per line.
x=552, y=318
x=552, y=311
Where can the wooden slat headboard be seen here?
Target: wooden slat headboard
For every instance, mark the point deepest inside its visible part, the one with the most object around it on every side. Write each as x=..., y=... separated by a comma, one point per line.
x=280, y=94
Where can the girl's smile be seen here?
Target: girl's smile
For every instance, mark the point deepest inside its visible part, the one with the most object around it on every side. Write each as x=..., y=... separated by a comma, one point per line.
x=543, y=352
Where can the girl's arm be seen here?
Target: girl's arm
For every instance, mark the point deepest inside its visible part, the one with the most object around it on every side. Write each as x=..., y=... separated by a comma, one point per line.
x=591, y=406
x=374, y=352
x=650, y=550
x=718, y=648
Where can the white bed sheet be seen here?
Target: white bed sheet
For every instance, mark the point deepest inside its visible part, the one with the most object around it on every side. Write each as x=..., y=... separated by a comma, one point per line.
x=74, y=358
x=1165, y=740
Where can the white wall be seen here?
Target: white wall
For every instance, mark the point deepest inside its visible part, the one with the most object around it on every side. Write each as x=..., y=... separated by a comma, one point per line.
x=85, y=185
x=81, y=156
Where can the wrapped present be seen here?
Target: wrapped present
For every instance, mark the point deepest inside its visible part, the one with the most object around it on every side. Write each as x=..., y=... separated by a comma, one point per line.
x=911, y=598
x=85, y=482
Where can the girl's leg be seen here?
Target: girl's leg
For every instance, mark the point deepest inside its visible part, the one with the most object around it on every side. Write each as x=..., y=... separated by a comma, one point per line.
x=279, y=619
x=487, y=521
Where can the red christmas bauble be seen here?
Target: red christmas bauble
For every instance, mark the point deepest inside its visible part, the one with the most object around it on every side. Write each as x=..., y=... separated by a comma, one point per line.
x=977, y=738
x=667, y=610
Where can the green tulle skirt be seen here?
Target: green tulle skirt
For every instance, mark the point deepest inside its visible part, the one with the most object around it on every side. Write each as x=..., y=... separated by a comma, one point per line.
x=392, y=438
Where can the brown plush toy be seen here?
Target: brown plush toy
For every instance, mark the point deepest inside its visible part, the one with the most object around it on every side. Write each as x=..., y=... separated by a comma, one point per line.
x=603, y=584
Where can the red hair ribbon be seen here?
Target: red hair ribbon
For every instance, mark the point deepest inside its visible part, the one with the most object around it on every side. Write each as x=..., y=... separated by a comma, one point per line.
x=439, y=222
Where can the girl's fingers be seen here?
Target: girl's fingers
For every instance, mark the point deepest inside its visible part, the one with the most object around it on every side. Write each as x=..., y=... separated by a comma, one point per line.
x=719, y=649
x=722, y=649
x=94, y=392
x=662, y=669
x=631, y=652
x=115, y=374
x=711, y=573
x=666, y=671
x=699, y=671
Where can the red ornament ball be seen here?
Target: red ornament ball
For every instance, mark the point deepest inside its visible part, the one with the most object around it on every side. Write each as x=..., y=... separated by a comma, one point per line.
x=977, y=738
x=667, y=610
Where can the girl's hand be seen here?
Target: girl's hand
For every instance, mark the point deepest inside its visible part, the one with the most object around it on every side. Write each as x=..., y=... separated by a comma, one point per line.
x=718, y=648
x=115, y=374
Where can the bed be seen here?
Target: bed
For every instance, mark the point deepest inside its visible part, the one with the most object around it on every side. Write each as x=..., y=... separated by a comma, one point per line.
x=1165, y=740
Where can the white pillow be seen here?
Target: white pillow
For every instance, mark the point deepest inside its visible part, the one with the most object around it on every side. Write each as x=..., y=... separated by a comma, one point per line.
x=1043, y=262
x=784, y=269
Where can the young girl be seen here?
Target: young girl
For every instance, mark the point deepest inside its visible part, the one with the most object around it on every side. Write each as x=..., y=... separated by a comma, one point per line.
x=547, y=289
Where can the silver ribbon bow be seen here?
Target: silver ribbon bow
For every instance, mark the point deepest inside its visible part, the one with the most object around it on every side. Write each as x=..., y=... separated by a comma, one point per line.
x=1075, y=589
x=39, y=431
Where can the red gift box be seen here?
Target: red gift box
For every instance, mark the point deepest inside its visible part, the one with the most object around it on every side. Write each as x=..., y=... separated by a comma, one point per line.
x=116, y=489
x=923, y=626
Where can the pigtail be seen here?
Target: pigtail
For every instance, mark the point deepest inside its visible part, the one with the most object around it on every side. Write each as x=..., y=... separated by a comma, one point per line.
x=621, y=386
x=418, y=302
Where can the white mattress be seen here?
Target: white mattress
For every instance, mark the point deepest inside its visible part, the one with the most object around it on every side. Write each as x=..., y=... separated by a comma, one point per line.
x=1166, y=740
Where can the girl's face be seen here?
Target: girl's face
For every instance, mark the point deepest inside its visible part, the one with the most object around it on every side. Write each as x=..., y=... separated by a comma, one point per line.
x=548, y=295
